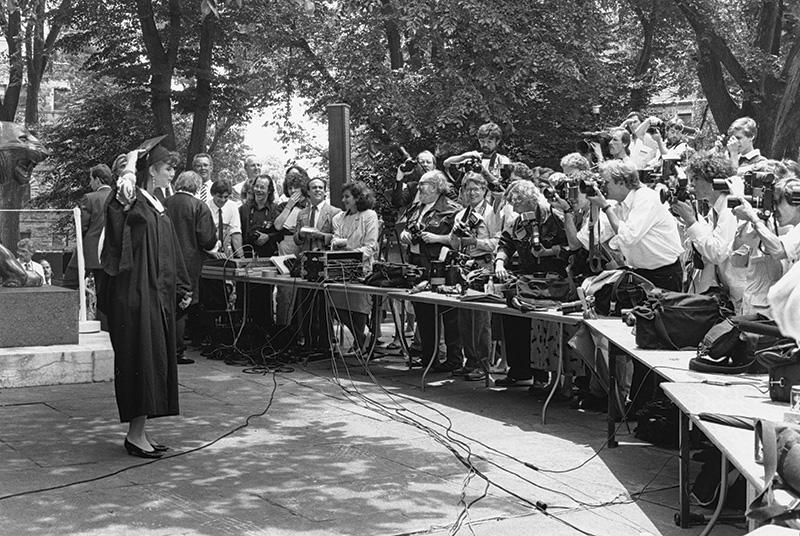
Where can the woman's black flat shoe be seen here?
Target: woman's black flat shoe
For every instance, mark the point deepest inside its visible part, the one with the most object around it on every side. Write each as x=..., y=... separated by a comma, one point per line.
x=133, y=450
x=158, y=447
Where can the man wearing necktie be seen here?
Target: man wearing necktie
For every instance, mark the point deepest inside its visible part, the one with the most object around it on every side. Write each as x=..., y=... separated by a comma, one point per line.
x=713, y=237
x=315, y=232
x=203, y=166
x=25, y=257
x=226, y=218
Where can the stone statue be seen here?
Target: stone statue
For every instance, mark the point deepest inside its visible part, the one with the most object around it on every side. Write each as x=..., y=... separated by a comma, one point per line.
x=12, y=274
x=20, y=151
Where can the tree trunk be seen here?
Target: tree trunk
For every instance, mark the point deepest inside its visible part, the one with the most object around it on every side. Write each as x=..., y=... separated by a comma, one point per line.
x=16, y=65
x=34, y=53
x=392, y=34
x=202, y=98
x=639, y=95
x=12, y=195
x=39, y=50
x=162, y=65
x=709, y=70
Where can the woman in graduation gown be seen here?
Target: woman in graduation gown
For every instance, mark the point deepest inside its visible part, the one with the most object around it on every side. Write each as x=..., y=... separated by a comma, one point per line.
x=147, y=279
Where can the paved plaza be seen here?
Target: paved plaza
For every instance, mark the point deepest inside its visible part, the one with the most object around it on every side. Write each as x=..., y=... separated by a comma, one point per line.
x=327, y=450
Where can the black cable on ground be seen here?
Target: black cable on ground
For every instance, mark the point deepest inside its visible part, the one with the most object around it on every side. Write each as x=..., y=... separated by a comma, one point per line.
x=245, y=424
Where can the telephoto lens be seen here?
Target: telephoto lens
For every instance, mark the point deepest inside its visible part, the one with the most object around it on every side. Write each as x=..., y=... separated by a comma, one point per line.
x=720, y=185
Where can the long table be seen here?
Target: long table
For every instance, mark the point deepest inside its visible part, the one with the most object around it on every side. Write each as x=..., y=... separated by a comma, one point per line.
x=672, y=365
x=744, y=399
x=439, y=300
x=256, y=276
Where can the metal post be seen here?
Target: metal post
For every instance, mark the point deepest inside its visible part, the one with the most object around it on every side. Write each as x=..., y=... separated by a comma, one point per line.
x=338, y=148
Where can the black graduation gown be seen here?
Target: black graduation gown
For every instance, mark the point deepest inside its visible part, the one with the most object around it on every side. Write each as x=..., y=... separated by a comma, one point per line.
x=146, y=277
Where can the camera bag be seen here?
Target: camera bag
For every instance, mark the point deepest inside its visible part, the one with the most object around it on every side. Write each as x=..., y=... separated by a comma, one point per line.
x=674, y=320
x=550, y=287
x=782, y=362
x=614, y=290
x=780, y=455
x=723, y=350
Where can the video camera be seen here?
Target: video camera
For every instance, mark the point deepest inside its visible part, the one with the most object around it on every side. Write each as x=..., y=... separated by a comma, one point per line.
x=759, y=191
x=603, y=137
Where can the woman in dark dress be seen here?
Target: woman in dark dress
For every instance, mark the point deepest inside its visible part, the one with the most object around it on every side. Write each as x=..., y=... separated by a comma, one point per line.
x=147, y=277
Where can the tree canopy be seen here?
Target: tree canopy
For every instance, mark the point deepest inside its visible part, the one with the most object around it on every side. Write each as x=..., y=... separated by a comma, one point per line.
x=426, y=74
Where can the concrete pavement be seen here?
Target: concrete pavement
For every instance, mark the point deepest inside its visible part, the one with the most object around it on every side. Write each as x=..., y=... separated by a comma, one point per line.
x=327, y=450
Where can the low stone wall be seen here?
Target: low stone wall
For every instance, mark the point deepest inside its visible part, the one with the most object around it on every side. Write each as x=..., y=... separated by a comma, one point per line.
x=91, y=360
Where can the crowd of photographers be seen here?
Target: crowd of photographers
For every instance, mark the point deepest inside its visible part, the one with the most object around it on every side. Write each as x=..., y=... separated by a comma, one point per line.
x=688, y=219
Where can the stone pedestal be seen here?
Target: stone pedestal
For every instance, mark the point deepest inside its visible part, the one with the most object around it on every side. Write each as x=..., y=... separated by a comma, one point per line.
x=38, y=316
x=91, y=360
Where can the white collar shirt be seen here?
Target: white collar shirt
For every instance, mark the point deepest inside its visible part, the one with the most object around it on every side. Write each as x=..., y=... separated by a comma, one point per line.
x=487, y=231
x=315, y=224
x=606, y=232
x=791, y=245
x=715, y=245
x=647, y=235
x=231, y=222
x=33, y=266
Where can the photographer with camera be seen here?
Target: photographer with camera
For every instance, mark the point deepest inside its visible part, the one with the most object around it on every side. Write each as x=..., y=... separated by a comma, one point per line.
x=646, y=233
x=712, y=237
x=476, y=231
x=676, y=140
x=739, y=145
x=488, y=162
x=587, y=232
x=428, y=223
x=757, y=247
x=408, y=174
x=647, y=144
x=537, y=236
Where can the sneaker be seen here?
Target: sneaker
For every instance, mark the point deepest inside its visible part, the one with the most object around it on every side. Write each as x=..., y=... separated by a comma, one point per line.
x=462, y=371
x=508, y=381
x=185, y=361
x=476, y=375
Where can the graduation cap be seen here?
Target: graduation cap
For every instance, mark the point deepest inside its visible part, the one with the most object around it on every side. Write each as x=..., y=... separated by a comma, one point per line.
x=154, y=150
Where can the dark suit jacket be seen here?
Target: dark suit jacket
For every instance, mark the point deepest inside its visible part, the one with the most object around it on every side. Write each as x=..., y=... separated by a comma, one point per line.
x=194, y=227
x=93, y=219
x=438, y=220
x=324, y=224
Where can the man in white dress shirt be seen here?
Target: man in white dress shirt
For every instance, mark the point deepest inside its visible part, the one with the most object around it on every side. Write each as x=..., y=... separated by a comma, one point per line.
x=712, y=236
x=226, y=218
x=25, y=257
x=203, y=165
x=645, y=232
